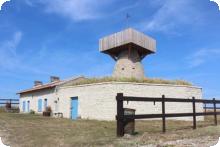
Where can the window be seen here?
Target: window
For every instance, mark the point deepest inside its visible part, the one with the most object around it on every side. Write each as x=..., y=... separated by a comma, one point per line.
x=28, y=106
x=45, y=104
x=56, y=106
x=39, y=105
x=23, y=106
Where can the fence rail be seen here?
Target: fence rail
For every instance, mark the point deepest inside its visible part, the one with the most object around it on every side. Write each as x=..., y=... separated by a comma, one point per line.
x=211, y=107
x=121, y=118
x=9, y=101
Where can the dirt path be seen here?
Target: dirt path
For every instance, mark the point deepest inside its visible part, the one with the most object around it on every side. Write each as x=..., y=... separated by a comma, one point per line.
x=195, y=142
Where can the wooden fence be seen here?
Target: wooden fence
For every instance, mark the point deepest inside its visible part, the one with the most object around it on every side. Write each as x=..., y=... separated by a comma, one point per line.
x=121, y=118
x=9, y=101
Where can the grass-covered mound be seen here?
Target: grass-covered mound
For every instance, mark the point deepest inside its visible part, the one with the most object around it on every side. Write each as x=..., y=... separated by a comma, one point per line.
x=145, y=80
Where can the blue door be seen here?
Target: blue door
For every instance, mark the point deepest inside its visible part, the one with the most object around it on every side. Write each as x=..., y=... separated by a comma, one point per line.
x=23, y=106
x=28, y=106
x=74, y=108
x=40, y=105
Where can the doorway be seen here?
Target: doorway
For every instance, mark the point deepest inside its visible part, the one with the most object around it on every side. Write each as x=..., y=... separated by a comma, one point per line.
x=74, y=108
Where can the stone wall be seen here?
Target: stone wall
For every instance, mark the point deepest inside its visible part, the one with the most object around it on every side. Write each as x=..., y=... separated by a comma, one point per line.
x=97, y=101
x=129, y=65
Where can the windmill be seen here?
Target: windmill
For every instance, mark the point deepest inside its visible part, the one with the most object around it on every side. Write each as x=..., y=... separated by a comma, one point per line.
x=128, y=48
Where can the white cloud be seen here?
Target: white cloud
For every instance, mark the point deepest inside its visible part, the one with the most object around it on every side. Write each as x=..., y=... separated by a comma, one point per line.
x=217, y=2
x=29, y=2
x=201, y=56
x=2, y=2
x=8, y=52
x=12, y=59
x=76, y=10
x=171, y=14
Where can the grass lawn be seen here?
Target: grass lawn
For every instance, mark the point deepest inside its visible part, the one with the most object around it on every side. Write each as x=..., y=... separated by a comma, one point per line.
x=25, y=130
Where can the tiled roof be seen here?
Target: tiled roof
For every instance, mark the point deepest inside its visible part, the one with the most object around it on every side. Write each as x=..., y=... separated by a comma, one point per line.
x=47, y=86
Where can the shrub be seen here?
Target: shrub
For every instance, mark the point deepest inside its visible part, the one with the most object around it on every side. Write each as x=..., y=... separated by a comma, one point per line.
x=32, y=112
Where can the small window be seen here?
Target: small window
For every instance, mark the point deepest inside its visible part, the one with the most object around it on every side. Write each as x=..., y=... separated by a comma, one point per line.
x=123, y=69
x=24, y=106
x=39, y=105
x=28, y=106
x=133, y=68
x=45, y=104
x=56, y=106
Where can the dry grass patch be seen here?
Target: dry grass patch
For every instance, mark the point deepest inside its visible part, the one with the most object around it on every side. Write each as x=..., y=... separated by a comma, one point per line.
x=2, y=110
x=133, y=80
x=20, y=130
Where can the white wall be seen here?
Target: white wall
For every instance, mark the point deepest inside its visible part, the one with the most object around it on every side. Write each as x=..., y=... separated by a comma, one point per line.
x=33, y=97
x=97, y=101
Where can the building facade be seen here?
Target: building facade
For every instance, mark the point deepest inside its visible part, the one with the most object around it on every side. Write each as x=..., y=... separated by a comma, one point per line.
x=98, y=101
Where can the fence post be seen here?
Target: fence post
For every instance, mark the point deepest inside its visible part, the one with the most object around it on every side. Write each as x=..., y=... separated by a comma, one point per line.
x=163, y=113
x=194, y=112
x=120, y=115
x=10, y=103
x=215, y=114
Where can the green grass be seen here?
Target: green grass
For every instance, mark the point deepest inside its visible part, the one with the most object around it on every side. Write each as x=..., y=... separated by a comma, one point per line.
x=145, y=80
x=20, y=130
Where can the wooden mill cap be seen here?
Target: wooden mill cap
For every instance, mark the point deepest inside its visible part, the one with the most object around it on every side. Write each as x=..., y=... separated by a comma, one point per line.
x=116, y=42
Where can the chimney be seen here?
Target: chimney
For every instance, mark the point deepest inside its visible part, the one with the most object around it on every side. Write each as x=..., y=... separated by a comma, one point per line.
x=54, y=79
x=38, y=83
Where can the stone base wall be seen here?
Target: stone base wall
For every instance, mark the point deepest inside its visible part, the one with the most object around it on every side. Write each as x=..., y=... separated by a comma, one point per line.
x=128, y=65
x=98, y=101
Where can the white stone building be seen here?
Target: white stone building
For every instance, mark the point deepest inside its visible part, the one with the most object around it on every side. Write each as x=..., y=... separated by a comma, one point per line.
x=98, y=100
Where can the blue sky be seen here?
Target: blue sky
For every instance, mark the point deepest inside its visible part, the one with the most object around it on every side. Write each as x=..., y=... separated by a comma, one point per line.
x=39, y=38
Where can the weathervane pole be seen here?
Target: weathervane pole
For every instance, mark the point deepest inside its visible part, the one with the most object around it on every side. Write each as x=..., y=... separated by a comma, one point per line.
x=127, y=20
